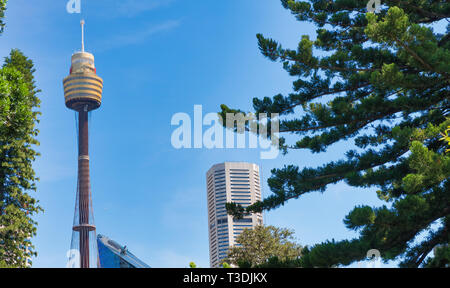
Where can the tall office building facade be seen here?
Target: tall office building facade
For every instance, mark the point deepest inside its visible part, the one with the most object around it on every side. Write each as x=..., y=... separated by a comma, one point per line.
x=237, y=182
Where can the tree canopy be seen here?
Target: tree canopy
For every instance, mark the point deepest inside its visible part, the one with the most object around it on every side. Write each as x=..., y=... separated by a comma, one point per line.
x=263, y=245
x=381, y=82
x=2, y=14
x=18, y=119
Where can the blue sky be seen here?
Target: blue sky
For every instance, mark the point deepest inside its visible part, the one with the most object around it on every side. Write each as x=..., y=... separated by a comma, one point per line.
x=158, y=58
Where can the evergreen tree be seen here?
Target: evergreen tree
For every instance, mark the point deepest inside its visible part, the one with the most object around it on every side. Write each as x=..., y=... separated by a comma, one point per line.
x=381, y=82
x=18, y=117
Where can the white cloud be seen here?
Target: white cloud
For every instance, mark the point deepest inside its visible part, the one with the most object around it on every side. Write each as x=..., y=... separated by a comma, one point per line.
x=128, y=8
x=136, y=37
x=131, y=8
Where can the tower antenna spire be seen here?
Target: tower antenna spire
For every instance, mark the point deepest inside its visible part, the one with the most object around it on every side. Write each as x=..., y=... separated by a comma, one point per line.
x=82, y=35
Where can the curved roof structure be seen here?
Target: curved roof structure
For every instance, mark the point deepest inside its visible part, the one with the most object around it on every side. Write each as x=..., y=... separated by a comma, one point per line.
x=113, y=255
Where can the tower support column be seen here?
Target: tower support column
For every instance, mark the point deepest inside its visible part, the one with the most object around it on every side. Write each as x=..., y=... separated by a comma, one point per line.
x=84, y=188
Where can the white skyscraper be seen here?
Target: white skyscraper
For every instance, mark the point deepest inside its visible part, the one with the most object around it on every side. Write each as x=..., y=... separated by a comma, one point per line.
x=230, y=182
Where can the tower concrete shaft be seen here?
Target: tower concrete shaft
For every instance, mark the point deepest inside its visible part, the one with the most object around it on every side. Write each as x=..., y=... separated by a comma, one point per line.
x=84, y=189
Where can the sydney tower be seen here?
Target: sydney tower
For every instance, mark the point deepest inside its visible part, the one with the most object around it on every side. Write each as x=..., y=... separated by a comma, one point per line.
x=83, y=94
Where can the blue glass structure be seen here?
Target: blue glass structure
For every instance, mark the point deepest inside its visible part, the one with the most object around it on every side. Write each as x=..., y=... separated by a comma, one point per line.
x=113, y=255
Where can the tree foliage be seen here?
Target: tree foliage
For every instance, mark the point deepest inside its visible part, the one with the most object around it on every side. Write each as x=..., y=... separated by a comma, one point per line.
x=381, y=82
x=18, y=118
x=226, y=265
x=441, y=258
x=262, y=245
x=446, y=137
x=2, y=14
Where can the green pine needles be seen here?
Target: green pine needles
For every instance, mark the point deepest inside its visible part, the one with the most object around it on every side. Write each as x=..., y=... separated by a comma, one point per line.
x=380, y=82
